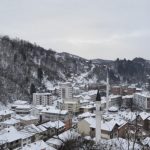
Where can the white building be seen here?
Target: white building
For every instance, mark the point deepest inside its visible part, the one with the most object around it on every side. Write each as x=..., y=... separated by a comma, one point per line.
x=42, y=99
x=142, y=100
x=72, y=106
x=53, y=114
x=66, y=91
x=9, y=123
x=6, y=115
x=22, y=110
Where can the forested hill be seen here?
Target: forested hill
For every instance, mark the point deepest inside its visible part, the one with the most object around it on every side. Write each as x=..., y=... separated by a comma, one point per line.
x=26, y=67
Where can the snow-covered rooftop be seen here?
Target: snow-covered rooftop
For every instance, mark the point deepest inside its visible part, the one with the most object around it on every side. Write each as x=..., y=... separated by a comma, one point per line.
x=11, y=121
x=6, y=112
x=127, y=96
x=107, y=126
x=20, y=102
x=146, y=141
x=86, y=115
x=29, y=117
x=23, y=106
x=88, y=107
x=55, y=124
x=38, y=145
x=113, y=109
x=9, y=134
x=70, y=134
x=54, y=111
x=120, y=144
x=144, y=115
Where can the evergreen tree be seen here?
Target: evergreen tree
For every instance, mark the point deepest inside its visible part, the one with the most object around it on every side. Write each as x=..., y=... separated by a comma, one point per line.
x=32, y=89
x=40, y=74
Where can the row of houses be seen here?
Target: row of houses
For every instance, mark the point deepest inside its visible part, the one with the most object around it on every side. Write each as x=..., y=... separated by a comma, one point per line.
x=12, y=138
x=115, y=125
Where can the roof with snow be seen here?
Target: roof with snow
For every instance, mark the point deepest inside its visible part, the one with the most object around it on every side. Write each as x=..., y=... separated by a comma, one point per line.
x=107, y=126
x=5, y=112
x=55, y=124
x=38, y=145
x=11, y=121
x=20, y=102
x=86, y=115
x=113, y=109
x=67, y=135
x=29, y=117
x=54, y=111
x=8, y=135
x=144, y=115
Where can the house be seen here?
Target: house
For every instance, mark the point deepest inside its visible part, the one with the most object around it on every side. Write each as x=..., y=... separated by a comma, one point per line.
x=53, y=114
x=108, y=129
x=36, y=132
x=18, y=102
x=10, y=138
x=143, y=120
x=50, y=130
x=127, y=101
x=56, y=141
x=84, y=102
x=36, y=110
x=11, y=122
x=86, y=115
x=87, y=108
x=22, y=109
x=6, y=115
x=115, y=100
x=26, y=137
x=29, y=119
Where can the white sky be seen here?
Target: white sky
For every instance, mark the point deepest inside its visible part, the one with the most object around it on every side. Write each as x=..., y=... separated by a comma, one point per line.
x=104, y=29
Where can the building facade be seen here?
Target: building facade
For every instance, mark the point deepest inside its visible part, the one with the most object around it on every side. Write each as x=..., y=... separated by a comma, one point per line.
x=66, y=91
x=142, y=100
x=42, y=99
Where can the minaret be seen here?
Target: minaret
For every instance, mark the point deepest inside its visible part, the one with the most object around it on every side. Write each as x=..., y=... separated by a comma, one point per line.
x=98, y=118
x=107, y=91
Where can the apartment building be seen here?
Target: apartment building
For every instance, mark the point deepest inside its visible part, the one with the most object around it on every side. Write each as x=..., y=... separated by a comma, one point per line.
x=42, y=99
x=72, y=106
x=123, y=90
x=142, y=100
x=66, y=91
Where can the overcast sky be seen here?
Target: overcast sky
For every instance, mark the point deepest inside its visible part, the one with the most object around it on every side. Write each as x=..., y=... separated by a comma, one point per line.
x=104, y=29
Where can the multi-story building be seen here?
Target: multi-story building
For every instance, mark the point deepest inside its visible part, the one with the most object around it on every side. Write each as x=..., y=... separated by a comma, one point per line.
x=72, y=106
x=53, y=114
x=66, y=91
x=142, y=100
x=123, y=90
x=42, y=99
x=23, y=110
